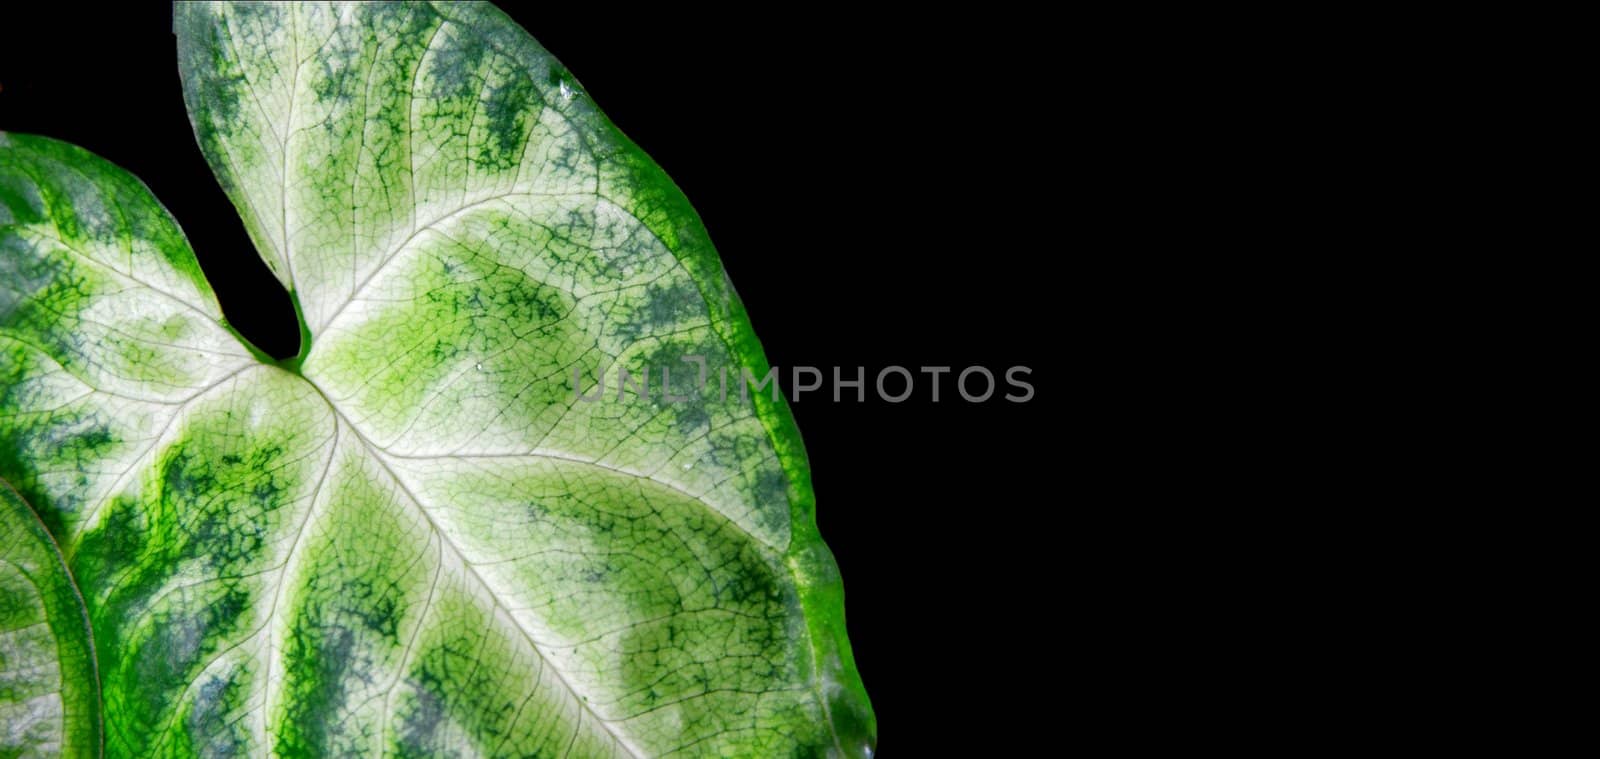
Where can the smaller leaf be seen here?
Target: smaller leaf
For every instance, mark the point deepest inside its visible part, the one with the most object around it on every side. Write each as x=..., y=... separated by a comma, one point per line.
x=48, y=700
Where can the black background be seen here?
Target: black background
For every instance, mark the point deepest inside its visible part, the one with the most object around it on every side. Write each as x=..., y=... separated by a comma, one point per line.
x=888, y=191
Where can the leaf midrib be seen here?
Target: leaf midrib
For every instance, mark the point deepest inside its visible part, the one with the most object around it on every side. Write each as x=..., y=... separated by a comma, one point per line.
x=444, y=539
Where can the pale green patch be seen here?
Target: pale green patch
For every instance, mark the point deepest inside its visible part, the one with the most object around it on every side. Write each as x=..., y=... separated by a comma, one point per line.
x=412, y=538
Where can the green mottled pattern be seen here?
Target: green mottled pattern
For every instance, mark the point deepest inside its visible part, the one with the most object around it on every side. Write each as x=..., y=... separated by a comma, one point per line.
x=412, y=538
x=47, y=683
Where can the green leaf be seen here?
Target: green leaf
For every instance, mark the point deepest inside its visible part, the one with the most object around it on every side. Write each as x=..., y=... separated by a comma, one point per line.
x=413, y=537
x=48, y=704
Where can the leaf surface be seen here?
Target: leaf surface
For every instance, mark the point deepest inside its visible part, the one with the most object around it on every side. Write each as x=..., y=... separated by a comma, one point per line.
x=413, y=538
x=48, y=703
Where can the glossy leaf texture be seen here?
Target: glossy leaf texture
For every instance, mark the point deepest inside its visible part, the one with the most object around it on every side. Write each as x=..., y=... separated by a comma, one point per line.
x=48, y=704
x=414, y=537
